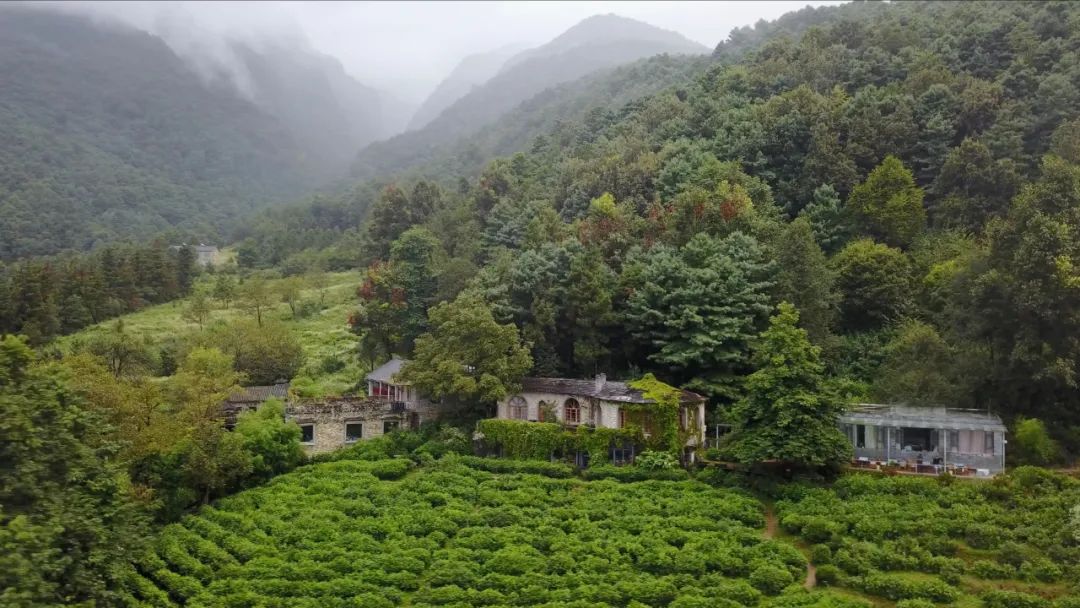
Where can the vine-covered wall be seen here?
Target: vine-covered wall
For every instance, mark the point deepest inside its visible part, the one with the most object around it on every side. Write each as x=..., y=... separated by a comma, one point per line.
x=542, y=440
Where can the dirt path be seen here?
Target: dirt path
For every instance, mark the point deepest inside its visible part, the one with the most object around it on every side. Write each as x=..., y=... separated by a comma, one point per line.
x=772, y=526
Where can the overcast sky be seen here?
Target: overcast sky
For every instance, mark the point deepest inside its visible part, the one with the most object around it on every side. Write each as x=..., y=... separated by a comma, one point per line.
x=407, y=47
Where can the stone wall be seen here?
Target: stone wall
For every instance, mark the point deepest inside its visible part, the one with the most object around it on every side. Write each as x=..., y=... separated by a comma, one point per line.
x=329, y=417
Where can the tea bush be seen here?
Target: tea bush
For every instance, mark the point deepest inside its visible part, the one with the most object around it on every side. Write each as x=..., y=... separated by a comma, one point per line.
x=466, y=531
x=915, y=539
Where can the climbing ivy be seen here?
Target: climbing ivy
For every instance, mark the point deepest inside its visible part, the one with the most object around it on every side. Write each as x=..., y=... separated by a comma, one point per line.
x=531, y=440
x=664, y=409
x=527, y=440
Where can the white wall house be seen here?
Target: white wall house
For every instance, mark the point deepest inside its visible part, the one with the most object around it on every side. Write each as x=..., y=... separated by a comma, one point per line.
x=598, y=402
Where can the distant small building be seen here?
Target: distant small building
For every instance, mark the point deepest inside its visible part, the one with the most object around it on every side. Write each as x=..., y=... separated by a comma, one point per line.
x=927, y=439
x=205, y=255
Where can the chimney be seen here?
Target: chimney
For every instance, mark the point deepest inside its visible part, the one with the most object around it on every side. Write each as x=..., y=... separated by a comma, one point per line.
x=601, y=382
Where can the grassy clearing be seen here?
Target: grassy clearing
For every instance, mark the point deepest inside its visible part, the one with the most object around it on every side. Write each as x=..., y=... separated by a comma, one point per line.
x=329, y=346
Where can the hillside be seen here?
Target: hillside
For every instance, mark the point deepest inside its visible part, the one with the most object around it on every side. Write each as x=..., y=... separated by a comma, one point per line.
x=373, y=533
x=106, y=134
x=472, y=71
x=329, y=364
x=594, y=44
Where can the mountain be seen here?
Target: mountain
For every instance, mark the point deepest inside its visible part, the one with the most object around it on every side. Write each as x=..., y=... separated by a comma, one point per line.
x=602, y=30
x=472, y=71
x=597, y=43
x=328, y=113
x=108, y=134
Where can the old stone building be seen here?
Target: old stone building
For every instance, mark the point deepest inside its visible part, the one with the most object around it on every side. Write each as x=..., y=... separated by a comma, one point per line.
x=332, y=423
x=250, y=398
x=336, y=422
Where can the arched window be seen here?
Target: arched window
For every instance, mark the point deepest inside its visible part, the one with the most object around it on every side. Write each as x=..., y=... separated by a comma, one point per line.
x=519, y=408
x=571, y=412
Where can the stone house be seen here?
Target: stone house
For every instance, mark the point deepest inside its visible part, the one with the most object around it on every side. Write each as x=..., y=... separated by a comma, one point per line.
x=337, y=422
x=249, y=398
x=598, y=402
x=926, y=439
x=332, y=423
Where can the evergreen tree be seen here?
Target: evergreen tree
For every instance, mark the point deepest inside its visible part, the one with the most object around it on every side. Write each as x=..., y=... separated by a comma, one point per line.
x=830, y=220
x=696, y=309
x=788, y=414
x=805, y=279
x=889, y=204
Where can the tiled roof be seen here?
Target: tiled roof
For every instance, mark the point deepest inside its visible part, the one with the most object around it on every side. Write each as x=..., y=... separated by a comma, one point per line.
x=386, y=371
x=258, y=394
x=609, y=390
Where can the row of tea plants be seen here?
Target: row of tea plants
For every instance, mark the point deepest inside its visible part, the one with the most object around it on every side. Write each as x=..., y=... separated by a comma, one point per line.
x=1012, y=542
x=450, y=533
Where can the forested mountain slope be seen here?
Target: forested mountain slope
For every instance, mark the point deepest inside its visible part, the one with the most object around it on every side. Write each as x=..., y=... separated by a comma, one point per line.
x=905, y=174
x=105, y=133
x=594, y=44
x=470, y=72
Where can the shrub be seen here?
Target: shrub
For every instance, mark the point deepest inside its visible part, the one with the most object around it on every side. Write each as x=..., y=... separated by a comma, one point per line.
x=500, y=465
x=628, y=474
x=818, y=529
x=983, y=536
x=820, y=555
x=896, y=587
x=1012, y=599
x=1031, y=443
x=828, y=575
x=656, y=461
x=770, y=580
x=915, y=603
x=1013, y=554
x=991, y=570
x=1040, y=570
x=391, y=469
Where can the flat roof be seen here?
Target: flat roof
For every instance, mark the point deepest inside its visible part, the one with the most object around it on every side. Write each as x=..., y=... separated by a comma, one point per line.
x=954, y=419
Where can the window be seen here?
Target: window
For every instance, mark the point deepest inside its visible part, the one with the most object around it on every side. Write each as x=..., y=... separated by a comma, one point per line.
x=623, y=454
x=354, y=431
x=860, y=436
x=519, y=408
x=307, y=433
x=954, y=441
x=389, y=426
x=988, y=442
x=571, y=412
x=622, y=418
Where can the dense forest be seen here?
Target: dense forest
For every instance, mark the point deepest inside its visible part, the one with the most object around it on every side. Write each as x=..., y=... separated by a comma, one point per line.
x=588, y=49
x=870, y=202
x=905, y=175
